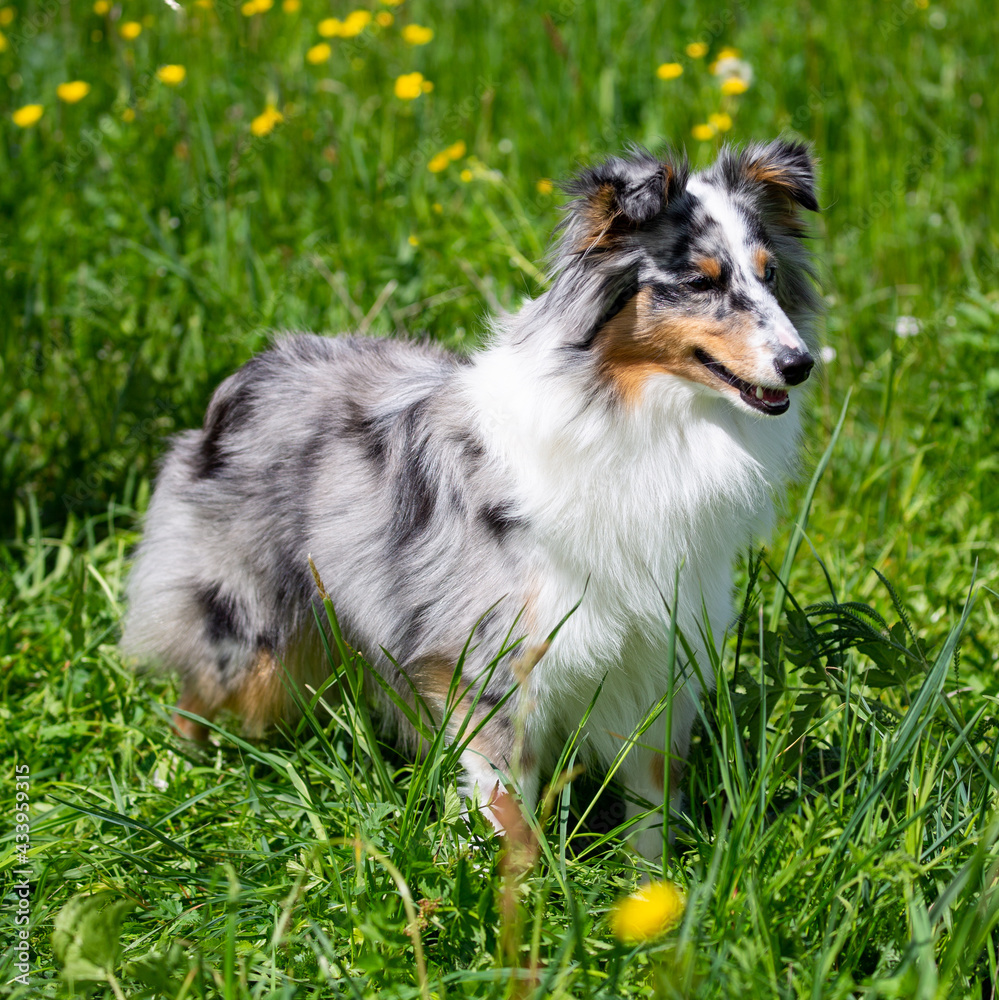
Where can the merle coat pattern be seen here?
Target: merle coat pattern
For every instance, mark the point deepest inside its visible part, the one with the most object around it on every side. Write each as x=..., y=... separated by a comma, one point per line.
x=617, y=443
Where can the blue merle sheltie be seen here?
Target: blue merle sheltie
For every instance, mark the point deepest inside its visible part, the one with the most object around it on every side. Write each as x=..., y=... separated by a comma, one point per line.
x=615, y=444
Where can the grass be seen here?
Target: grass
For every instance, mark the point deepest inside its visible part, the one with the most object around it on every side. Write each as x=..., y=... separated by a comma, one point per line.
x=841, y=837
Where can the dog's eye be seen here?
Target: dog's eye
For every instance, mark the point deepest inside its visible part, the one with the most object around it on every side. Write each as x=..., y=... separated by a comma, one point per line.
x=701, y=283
x=770, y=274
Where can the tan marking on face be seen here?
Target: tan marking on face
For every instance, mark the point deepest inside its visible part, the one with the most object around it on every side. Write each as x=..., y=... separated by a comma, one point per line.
x=761, y=260
x=710, y=267
x=638, y=343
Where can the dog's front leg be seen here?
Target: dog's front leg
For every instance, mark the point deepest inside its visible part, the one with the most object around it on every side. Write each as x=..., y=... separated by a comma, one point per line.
x=501, y=779
x=652, y=778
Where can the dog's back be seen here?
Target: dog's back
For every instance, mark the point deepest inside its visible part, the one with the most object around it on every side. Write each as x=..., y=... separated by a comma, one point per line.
x=352, y=449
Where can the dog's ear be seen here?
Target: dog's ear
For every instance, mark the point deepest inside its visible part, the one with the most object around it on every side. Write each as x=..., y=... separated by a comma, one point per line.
x=619, y=196
x=783, y=168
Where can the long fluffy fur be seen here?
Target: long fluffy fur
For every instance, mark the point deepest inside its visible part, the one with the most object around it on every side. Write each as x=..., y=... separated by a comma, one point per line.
x=588, y=454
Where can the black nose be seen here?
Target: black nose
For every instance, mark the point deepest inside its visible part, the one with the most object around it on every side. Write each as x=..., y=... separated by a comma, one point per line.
x=794, y=366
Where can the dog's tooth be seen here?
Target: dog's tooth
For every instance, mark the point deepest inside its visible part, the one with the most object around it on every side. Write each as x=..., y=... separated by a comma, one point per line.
x=759, y=392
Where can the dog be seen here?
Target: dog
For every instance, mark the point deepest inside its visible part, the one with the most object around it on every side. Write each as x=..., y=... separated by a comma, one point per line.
x=613, y=449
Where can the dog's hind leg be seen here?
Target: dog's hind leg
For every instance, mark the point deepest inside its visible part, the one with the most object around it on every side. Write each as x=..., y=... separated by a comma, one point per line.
x=201, y=699
x=260, y=697
x=197, y=732
x=256, y=695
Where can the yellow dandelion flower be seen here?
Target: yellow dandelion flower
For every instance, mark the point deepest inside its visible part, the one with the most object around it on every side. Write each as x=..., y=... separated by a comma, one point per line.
x=438, y=208
x=439, y=162
x=331, y=27
x=291, y=6
x=466, y=175
x=249, y=9
x=75, y=90
x=102, y=7
x=647, y=913
x=6, y=16
x=669, y=71
x=426, y=86
x=264, y=5
x=384, y=18
x=703, y=132
x=413, y=241
x=728, y=53
x=4, y=44
x=391, y=3
x=172, y=75
x=722, y=122
x=409, y=86
x=266, y=121
x=354, y=23
x=733, y=85
x=697, y=50
x=318, y=54
x=416, y=34
x=204, y=4
x=544, y=186
x=28, y=115
x=128, y=115
x=130, y=30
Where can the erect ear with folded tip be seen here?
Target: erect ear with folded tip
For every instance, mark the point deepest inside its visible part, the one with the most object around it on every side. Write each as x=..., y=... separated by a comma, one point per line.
x=619, y=196
x=785, y=168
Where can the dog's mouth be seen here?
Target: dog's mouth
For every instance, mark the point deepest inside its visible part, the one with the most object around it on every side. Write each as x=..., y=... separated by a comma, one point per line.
x=773, y=402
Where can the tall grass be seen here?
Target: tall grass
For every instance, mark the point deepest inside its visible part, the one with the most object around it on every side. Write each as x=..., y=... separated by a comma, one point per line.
x=840, y=838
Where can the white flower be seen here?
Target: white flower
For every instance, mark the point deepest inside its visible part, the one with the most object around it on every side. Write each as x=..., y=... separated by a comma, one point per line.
x=906, y=326
x=827, y=354
x=732, y=67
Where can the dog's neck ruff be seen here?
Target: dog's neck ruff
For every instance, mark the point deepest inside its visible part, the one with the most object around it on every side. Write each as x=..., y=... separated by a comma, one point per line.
x=685, y=456
x=622, y=503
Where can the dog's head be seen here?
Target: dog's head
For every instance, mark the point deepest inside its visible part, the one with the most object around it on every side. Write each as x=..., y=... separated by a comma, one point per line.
x=702, y=276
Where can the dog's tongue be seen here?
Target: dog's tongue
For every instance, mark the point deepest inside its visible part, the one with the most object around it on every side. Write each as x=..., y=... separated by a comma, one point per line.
x=775, y=395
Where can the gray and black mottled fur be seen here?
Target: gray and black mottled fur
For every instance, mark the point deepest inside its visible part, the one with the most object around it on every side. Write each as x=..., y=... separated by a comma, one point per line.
x=430, y=489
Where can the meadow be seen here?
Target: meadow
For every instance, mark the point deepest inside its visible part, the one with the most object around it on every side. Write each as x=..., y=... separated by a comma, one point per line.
x=177, y=185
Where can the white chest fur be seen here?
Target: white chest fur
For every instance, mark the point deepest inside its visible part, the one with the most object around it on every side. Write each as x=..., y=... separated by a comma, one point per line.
x=623, y=505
